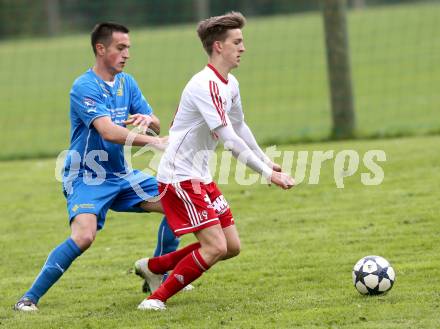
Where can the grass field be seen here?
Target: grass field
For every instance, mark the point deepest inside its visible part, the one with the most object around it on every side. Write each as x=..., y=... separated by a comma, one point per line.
x=395, y=56
x=294, y=271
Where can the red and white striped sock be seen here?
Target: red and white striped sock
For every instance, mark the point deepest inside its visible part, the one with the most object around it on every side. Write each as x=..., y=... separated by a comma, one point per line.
x=186, y=271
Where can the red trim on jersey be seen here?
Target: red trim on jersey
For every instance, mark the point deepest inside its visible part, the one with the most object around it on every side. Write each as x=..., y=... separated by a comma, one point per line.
x=225, y=81
x=217, y=101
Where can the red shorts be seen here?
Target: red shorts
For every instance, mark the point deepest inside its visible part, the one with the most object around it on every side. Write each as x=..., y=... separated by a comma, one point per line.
x=192, y=206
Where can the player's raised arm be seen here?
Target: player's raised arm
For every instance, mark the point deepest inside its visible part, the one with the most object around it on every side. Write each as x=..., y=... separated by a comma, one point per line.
x=243, y=153
x=245, y=133
x=119, y=135
x=143, y=122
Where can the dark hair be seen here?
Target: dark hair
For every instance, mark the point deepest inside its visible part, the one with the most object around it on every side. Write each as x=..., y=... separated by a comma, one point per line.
x=102, y=33
x=215, y=28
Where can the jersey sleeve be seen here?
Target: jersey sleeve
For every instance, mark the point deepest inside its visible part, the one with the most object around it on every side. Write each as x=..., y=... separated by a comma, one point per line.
x=207, y=100
x=139, y=103
x=88, y=103
x=242, y=152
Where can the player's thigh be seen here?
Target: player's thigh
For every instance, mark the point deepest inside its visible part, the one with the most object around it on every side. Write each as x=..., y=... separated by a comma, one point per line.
x=152, y=206
x=232, y=241
x=138, y=194
x=84, y=227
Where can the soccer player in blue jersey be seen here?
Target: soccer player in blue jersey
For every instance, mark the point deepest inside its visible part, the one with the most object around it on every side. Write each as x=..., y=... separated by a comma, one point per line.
x=103, y=101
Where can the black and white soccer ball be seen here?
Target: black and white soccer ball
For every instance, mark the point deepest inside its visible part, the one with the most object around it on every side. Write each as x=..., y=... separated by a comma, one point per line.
x=373, y=275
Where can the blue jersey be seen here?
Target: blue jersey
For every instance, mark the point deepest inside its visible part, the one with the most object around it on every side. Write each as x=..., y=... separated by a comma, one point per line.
x=91, y=98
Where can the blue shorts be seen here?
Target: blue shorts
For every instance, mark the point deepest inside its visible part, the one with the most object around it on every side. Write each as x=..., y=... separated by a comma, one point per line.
x=119, y=194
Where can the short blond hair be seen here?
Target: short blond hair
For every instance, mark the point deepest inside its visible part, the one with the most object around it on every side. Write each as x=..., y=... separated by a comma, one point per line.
x=215, y=28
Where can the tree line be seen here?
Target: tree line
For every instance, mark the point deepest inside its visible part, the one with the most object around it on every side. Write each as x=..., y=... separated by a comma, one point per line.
x=54, y=17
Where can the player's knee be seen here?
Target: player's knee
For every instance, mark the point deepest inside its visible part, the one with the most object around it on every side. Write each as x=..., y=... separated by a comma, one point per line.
x=84, y=228
x=220, y=250
x=84, y=239
x=216, y=250
x=234, y=251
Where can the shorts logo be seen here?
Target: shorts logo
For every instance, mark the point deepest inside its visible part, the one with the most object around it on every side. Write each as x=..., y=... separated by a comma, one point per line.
x=204, y=214
x=220, y=205
x=83, y=205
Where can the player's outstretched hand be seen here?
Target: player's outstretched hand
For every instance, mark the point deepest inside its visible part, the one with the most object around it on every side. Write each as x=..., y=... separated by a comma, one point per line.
x=141, y=121
x=282, y=180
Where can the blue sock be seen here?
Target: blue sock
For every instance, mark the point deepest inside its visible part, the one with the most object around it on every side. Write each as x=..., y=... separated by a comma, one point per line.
x=56, y=264
x=166, y=240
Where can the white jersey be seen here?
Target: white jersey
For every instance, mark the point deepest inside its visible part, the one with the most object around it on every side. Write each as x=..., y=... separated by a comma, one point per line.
x=207, y=102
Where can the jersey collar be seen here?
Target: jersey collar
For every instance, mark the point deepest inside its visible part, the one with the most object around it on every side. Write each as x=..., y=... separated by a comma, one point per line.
x=225, y=81
x=104, y=86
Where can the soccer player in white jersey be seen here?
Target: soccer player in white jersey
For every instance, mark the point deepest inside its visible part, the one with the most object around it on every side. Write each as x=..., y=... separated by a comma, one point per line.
x=209, y=110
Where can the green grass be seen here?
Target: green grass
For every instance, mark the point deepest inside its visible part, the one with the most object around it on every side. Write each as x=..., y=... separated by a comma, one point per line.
x=298, y=249
x=395, y=55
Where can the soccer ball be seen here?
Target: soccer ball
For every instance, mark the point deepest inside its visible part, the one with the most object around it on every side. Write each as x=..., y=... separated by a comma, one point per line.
x=373, y=275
